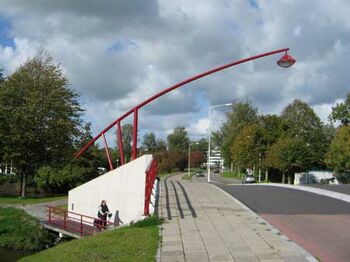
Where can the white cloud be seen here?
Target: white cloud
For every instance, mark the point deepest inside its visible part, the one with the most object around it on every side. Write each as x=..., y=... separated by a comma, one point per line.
x=118, y=53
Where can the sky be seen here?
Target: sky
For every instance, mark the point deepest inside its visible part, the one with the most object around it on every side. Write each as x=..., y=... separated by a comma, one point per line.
x=118, y=53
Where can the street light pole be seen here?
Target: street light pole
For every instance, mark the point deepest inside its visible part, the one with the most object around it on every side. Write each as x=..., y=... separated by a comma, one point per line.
x=189, y=157
x=210, y=108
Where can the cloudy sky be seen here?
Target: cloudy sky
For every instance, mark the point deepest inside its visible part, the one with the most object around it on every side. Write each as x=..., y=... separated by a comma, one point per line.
x=116, y=53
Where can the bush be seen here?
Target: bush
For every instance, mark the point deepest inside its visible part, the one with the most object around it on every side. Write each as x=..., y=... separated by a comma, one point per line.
x=59, y=179
x=343, y=177
x=20, y=231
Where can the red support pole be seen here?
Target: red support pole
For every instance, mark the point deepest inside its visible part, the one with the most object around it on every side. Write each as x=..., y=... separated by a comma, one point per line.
x=120, y=144
x=134, y=135
x=107, y=152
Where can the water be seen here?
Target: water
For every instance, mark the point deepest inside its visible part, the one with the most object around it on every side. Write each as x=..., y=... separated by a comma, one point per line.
x=10, y=255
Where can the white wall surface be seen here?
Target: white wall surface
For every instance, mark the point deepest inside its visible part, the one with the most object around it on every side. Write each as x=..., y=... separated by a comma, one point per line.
x=122, y=188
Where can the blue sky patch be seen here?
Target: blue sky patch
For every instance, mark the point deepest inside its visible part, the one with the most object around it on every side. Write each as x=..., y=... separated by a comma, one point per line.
x=254, y=3
x=121, y=45
x=5, y=28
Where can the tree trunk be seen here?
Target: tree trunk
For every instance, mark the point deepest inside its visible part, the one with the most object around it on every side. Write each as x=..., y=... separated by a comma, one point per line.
x=289, y=180
x=231, y=166
x=23, y=187
x=283, y=178
x=266, y=175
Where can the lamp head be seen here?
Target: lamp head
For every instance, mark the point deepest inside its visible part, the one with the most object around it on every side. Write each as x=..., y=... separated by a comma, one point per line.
x=286, y=61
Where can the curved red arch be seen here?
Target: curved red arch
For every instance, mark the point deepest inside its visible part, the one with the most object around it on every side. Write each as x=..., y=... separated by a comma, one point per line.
x=135, y=109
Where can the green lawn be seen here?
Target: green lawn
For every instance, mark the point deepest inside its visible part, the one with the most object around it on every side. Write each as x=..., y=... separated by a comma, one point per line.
x=229, y=174
x=18, y=230
x=28, y=200
x=135, y=243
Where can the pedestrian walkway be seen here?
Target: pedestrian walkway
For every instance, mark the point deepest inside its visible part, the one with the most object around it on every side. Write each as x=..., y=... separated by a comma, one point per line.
x=203, y=223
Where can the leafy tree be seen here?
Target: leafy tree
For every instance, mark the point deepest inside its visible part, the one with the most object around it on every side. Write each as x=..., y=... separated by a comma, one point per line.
x=40, y=116
x=197, y=158
x=244, y=150
x=201, y=146
x=341, y=112
x=161, y=145
x=2, y=80
x=338, y=155
x=304, y=124
x=60, y=179
x=127, y=140
x=178, y=140
x=242, y=114
x=289, y=155
x=149, y=142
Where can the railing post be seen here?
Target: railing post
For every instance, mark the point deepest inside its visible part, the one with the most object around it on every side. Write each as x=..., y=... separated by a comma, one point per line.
x=134, y=134
x=65, y=220
x=49, y=214
x=120, y=144
x=107, y=152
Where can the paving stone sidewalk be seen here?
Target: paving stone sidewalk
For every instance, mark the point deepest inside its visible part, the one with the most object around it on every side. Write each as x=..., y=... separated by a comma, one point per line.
x=202, y=223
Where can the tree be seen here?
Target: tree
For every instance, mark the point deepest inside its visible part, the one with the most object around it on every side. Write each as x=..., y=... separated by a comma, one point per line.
x=149, y=143
x=127, y=132
x=178, y=140
x=2, y=80
x=242, y=114
x=201, y=146
x=244, y=151
x=338, y=155
x=40, y=116
x=289, y=155
x=197, y=158
x=303, y=123
x=341, y=112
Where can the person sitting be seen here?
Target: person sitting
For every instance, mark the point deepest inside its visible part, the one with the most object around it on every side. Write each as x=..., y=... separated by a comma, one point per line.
x=103, y=211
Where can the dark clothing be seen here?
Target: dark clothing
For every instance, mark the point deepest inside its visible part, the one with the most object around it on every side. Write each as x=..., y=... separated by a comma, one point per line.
x=102, y=214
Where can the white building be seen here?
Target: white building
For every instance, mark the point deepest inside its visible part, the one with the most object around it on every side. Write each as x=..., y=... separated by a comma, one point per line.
x=215, y=159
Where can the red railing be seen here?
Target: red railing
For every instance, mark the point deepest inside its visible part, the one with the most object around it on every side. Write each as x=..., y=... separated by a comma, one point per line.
x=151, y=175
x=74, y=222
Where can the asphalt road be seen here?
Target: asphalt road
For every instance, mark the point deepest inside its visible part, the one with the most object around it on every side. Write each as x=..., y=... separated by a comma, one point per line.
x=319, y=224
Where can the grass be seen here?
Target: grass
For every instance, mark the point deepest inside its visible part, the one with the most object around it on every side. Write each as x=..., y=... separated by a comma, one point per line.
x=188, y=177
x=64, y=206
x=229, y=174
x=138, y=242
x=20, y=231
x=192, y=173
x=13, y=200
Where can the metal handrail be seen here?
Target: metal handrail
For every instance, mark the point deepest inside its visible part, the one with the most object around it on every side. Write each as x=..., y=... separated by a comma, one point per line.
x=151, y=175
x=66, y=216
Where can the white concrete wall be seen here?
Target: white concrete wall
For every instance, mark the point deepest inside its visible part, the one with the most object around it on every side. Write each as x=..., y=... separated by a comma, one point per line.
x=123, y=189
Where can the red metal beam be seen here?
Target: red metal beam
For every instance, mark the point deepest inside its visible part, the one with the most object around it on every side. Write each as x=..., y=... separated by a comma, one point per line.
x=107, y=152
x=167, y=90
x=134, y=134
x=120, y=144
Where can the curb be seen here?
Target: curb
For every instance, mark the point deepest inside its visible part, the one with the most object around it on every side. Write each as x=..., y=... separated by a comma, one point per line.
x=284, y=238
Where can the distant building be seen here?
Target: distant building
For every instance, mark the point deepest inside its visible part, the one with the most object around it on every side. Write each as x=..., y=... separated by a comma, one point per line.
x=6, y=169
x=315, y=177
x=216, y=159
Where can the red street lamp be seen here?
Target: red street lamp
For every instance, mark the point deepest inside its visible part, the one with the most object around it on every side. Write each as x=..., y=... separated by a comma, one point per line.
x=285, y=61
